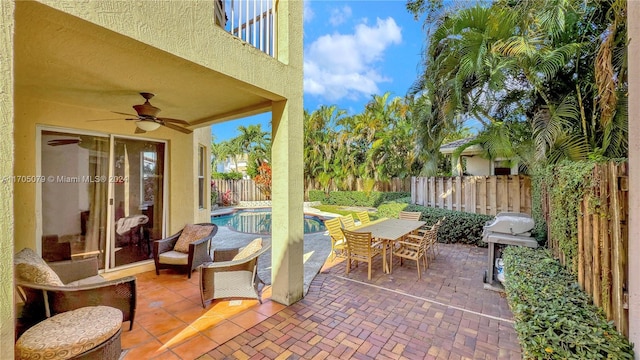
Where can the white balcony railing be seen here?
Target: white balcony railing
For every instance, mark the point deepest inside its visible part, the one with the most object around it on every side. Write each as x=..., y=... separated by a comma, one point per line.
x=251, y=20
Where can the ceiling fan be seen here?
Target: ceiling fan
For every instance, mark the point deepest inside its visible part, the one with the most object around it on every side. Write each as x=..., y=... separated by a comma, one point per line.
x=58, y=142
x=147, y=118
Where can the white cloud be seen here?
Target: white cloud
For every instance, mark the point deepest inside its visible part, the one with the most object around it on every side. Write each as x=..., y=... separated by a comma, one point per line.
x=339, y=16
x=343, y=65
x=308, y=12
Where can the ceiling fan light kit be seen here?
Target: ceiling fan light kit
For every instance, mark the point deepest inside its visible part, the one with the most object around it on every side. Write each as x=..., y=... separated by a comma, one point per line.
x=147, y=119
x=147, y=125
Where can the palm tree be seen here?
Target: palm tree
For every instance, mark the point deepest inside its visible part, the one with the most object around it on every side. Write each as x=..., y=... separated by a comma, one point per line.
x=557, y=64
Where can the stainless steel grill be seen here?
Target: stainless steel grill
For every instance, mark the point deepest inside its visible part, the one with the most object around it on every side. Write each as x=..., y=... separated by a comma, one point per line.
x=507, y=228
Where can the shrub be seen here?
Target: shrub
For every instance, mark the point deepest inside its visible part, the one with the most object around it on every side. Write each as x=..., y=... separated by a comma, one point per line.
x=233, y=175
x=459, y=227
x=355, y=198
x=554, y=318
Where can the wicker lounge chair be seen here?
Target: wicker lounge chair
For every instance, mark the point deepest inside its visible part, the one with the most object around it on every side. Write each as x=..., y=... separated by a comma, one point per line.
x=67, y=285
x=166, y=256
x=231, y=274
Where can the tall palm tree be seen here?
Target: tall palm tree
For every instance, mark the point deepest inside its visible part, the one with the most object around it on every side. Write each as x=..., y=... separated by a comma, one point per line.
x=533, y=61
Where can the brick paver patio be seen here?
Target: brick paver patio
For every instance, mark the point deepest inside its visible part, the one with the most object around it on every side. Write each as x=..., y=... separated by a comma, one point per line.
x=446, y=315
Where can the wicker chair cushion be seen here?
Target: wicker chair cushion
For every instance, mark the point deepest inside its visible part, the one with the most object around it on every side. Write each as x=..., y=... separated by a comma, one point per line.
x=87, y=281
x=70, y=333
x=251, y=248
x=30, y=267
x=173, y=258
x=189, y=234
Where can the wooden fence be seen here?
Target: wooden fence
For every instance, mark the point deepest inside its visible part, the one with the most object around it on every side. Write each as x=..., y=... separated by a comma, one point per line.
x=357, y=184
x=247, y=190
x=240, y=190
x=603, y=239
x=487, y=195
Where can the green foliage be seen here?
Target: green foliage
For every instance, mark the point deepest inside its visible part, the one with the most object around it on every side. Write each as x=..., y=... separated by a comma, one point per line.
x=234, y=175
x=355, y=198
x=458, y=227
x=554, y=318
x=566, y=184
x=537, y=185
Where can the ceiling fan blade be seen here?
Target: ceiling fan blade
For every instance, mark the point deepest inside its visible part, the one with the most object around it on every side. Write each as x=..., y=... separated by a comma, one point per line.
x=139, y=131
x=121, y=113
x=176, y=127
x=58, y=142
x=107, y=119
x=177, y=121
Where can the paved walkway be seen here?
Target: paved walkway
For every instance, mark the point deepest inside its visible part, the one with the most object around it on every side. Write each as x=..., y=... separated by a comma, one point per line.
x=446, y=315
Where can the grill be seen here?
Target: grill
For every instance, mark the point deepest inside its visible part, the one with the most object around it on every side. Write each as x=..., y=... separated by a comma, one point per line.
x=507, y=228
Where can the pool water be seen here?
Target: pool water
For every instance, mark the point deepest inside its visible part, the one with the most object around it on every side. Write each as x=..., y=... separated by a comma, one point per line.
x=258, y=221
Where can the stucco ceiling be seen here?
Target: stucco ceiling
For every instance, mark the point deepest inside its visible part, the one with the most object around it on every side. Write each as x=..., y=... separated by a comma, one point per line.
x=63, y=59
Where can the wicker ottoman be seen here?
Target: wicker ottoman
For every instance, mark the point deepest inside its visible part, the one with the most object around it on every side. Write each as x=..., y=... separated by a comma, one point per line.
x=91, y=332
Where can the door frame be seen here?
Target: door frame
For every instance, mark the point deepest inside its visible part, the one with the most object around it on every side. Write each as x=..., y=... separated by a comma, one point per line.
x=110, y=232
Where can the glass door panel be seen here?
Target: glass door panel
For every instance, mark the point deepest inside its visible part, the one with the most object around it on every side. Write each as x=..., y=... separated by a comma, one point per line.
x=138, y=192
x=74, y=195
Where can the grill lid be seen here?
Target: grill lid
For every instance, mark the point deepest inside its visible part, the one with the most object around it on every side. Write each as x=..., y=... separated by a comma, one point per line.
x=510, y=223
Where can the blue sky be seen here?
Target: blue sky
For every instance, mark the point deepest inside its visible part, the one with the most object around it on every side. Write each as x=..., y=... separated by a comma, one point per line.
x=352, y=50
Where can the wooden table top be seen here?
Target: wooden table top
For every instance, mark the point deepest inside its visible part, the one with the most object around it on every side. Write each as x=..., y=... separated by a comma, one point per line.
x=391, y=229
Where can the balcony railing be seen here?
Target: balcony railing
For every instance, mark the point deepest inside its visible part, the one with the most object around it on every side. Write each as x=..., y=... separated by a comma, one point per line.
x=253, y=21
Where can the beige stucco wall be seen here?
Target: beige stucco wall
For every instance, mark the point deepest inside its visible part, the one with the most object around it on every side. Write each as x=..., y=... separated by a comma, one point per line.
x=31, y=112
x=478, y=166
x=6, y=188
x=634, y=173
x=184, y=28
x=287, y=145
x=202, y=137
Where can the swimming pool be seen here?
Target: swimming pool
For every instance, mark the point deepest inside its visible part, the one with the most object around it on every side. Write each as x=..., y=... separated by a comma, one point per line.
x=258, y=221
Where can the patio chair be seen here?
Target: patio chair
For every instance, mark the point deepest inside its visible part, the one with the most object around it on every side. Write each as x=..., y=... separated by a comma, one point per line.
x=409, y=215
x=185, y=250
x=347, y=222
x=233, y=273
x=435, y=247
x=415, y=248
x=433, y=238
x=52, y=288
x=363, y=216
x=338, y=244
x=361, y=247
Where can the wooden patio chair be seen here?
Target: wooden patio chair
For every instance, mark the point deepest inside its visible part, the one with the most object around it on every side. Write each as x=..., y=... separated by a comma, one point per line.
x=363, y=216
x=435, y=247
x=361, y=247
x=415, y=248
x=409, y=215
x=347, y=222
x=338, y=244
x=433, y=239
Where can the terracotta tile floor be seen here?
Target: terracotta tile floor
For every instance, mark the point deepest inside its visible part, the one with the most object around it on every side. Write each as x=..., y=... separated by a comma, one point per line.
x=445, y=315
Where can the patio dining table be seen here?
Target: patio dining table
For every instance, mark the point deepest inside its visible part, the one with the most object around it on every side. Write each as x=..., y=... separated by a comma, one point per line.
x=390, y=231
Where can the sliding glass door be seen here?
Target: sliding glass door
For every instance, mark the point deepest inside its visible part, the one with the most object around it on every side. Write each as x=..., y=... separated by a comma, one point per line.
x=138, y=174
x=94, y=206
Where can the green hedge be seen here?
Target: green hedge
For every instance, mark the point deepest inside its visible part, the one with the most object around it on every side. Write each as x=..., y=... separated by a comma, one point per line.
x=459, y=227
x=355, y=198
x=554, y=318
x=233, y=175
